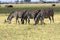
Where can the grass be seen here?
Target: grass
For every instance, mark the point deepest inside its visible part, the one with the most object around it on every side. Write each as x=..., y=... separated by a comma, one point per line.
x=4, y=9
x=29, y=32
x=15, y=31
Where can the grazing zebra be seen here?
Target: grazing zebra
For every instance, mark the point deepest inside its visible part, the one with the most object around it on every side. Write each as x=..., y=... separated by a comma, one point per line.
x=17, y=14
x=45, y=13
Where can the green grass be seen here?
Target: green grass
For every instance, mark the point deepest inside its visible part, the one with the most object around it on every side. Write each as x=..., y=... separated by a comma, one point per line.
x=15, y=31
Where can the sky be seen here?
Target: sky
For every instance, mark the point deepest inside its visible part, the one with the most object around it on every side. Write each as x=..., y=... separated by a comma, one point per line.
x=20, y=0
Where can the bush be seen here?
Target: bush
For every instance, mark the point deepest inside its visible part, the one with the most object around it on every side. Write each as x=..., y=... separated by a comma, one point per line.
x=53, y=5
x=8, y=5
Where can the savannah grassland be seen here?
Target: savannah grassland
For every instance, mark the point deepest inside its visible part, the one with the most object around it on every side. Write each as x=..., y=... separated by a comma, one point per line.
x=15, y=31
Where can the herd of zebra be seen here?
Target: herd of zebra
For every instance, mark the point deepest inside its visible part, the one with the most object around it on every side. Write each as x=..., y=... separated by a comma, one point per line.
x=36, y=14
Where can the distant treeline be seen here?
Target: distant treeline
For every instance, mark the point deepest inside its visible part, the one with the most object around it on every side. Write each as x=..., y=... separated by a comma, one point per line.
x=27, y=2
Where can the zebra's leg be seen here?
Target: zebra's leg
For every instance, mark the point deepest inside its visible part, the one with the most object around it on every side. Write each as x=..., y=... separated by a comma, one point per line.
x=28, y=20
x=50, y=19
x=22, y=21
x=53, y=19
x=36, y=21
x=42, y=20
x=18, y=22
x=16, y=19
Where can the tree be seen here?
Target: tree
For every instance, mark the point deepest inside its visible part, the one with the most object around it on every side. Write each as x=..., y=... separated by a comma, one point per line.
x=27, y=0
x=21, y=1
x=59, y=0
x=41, y=0
x=17, y=1
x=0, y=2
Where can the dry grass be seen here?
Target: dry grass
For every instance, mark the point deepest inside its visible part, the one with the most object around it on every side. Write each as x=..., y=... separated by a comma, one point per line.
x=29, y=32
x=31, y=5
